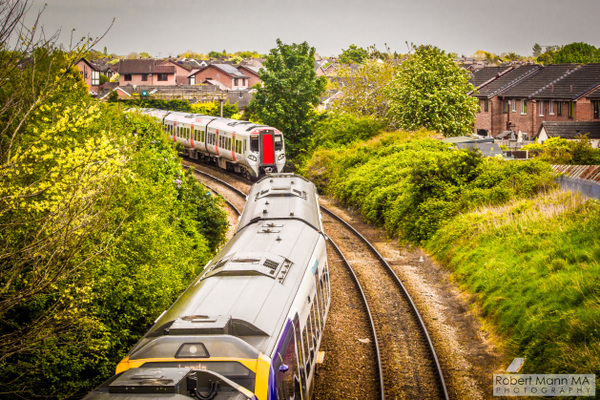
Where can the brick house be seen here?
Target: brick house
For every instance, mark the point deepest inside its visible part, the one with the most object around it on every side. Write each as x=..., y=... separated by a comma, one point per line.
x=222, y=75
x=146, y=72
x=522, y=113
x=490, y=119
x=572, y=98
x=521, y=99
x=90, y=74
x=251, y=72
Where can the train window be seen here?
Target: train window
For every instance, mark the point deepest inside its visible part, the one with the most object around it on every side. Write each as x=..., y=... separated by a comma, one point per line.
x=202, y=137
x=244, y=148
x=317, y=315
x=229, y=144
x=278, y=142
x=254, y=144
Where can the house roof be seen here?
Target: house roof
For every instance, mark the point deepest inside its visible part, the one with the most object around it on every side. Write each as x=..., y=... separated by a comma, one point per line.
x=89, y=64
x=144, y=66
x=250, y=68
x=571, y=129
x=595, y=95
x=486, y=74
x=230, y=70
x=509, y=79
x=576, y=84
x=540, y=80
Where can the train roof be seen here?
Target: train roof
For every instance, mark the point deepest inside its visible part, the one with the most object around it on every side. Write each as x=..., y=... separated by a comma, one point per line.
x=215, y=122
x=248, y=289
x=280, y=197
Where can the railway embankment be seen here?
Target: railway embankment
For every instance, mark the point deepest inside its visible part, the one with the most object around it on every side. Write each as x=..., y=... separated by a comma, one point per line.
x=523, y=250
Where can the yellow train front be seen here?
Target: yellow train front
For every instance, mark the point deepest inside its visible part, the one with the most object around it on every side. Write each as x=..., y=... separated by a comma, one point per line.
x=251, y=324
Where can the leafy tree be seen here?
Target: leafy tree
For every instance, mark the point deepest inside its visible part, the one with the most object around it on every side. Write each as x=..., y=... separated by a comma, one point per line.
x=430, y=90
x=95, y=212
x=214, y=108
x=363, y=91
x=289, y=93
x=536, y=50
x=577, y=52
x=353, y=55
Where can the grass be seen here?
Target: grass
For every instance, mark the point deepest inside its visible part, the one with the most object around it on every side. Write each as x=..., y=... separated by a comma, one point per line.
x=534, y=265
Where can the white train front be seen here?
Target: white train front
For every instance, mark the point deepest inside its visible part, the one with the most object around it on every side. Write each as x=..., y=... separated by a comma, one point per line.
x=243, y=147
x=250, y=326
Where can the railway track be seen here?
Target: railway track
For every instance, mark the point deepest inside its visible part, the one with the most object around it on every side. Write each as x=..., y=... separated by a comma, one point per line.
x=393, y=355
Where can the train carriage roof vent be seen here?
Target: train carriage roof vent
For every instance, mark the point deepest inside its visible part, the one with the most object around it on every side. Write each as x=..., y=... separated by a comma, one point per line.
x=193, y=325
x=248, y=264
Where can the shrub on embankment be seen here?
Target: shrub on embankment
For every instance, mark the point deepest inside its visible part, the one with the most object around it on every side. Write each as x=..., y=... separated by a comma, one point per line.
x=529, y=254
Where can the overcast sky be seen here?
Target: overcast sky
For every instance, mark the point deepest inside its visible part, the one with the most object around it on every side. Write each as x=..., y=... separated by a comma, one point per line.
x=170, y=27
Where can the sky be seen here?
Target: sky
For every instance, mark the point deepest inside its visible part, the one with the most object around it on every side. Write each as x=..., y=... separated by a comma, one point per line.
x=170, y=27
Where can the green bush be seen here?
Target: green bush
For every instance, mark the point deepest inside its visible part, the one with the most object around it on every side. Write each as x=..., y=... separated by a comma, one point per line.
x=412, y=185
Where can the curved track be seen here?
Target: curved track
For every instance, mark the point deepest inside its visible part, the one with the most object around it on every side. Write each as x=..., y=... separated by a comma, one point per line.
x=399, y=376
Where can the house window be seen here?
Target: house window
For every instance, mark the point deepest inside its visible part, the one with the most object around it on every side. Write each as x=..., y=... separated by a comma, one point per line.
x=162, y=77
x=523, y=107
x=514, y=105
x=541, y=108
x=505, y=107
x=596, y=109
x=570, y=109
x=95, y=78
x=486, y=105
x=193, y=80
x=559, y=107
x=127, y=77
x=551, y=107
x=235, y=82
x=144, y=77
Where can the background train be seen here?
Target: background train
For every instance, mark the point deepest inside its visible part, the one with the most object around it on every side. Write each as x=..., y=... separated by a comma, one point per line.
x=241, y=146
x=250, y=326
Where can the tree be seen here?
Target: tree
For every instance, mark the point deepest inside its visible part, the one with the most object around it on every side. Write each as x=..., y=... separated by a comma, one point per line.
x=93, y=208
x=430, y=90
x=289, y=93
x=363, y=93
x=353, y=55
x=577, y=52
x=536, y=50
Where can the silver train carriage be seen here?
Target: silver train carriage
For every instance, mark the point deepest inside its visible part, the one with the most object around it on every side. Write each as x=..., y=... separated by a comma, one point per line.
x=250, y=326
x=241, y=146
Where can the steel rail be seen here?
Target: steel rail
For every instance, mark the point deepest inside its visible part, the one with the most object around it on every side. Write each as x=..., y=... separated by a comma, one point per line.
x=372, y=323
x=406, y=294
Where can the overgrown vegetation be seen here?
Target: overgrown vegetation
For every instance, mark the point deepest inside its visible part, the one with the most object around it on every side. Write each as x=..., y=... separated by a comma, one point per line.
x=209, y=108
x=533, y=265
x=562, y=151
x=100, y=228
x=413, y=184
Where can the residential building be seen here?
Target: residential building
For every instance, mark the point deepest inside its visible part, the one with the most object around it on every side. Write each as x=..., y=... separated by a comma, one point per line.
x=519, y=100
x=251, y=72
x=147, y=72
x=490, y=120
x=224, y=76
x=91, y=75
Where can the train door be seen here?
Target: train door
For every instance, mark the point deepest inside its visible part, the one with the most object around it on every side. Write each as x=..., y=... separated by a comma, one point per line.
x=287, y=366
x=267, y=140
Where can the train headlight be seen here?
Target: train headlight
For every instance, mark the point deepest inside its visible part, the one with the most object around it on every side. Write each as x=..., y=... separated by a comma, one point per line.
x=192, y=350
x=252, y=157
x=280, y=157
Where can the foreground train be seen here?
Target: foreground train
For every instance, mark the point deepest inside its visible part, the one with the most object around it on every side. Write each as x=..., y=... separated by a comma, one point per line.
x=241, y=146
x=250, y=326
